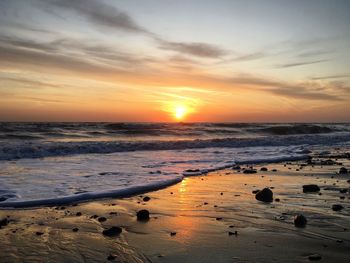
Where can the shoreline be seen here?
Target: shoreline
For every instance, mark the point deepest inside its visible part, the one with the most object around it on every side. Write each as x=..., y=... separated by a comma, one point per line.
x=133, y=190
x=195, y=221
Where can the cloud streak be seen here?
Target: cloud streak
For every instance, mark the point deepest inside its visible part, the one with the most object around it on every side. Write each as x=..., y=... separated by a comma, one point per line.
x=196, y=49
x=102, y=14
x=107, y=16
x=302, y=63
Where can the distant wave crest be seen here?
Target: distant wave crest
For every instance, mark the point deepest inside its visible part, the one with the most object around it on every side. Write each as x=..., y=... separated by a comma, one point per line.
x=28, y=149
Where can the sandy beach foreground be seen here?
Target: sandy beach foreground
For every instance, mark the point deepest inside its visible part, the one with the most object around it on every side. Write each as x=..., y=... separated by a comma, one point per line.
x=212, y=218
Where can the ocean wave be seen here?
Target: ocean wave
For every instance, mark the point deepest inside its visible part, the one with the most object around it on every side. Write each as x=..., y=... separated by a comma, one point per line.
x=25, y=149
x=80, y=197
x=296, y=129
x=9, y=198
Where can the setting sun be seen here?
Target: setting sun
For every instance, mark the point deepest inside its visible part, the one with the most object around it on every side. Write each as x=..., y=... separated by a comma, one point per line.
x=180, y=112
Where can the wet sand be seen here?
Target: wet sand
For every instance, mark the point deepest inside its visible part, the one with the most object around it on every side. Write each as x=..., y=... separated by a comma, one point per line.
x=212, y=218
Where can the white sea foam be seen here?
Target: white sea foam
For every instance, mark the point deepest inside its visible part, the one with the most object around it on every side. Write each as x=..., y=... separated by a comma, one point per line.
x=44, y=163
x=58, y=180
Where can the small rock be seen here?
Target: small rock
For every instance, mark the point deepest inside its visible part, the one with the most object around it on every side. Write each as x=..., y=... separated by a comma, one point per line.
x=232, y=233
x=277, y=199
x=113, y=213
x=102, y=219
x=75, y=229
x=39, y=233
x=263, y=169
x=146, y=199
x=300, y=221
x=94, y=216
x=236, y=167
x=315, y=257
x=337, y=207
x=173, y=234
x=309, y=188
x=219, y=218
x=255, y=191
x=78, y=214
x=112, y=232
x=274, y=170
x=265, y=195
x=143, y=215
x=111, y=257
x=343, y=170
x=249, y=171
x=4, y=222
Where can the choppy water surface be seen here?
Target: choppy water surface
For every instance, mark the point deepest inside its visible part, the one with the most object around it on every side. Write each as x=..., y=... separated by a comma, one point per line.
x=53, y=162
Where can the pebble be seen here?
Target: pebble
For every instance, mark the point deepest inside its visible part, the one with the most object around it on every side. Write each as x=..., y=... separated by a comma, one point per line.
x=102, y=219
x=307, y=188
x=337, y=207
x=142, y=215
x=146, y=199
x=300, y=221
x=315, y=257
x=265, y=195
x=113, y=231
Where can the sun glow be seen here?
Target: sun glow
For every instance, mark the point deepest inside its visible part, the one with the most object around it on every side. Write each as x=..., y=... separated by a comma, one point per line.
x=180, y=112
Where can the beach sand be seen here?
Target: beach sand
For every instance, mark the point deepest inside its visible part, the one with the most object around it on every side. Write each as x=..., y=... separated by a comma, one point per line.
x=212, y=218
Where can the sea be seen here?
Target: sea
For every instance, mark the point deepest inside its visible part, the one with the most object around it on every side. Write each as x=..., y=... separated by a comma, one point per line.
x=58, y=163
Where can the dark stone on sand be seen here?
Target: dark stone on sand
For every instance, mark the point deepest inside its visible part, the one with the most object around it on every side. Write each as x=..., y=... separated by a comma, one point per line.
x=249, y=171
x=315, y=257
x=309, y=188
x=265, y=195
x=219, y=218
x=39, y=233
x=3, y=199
x=4, y=222
x=230, y=233
x=113, y=213
x=300, y=221
x=173, y=234
x=102, y=219
x=112, y=232
x=343, y=170
x=111, y=257
x=255, y=191
x=75, y=229
x=264, y=169
x=277, y=200
x=94, y=216
x=142, y=215
x=274, y=170
x=236, y=167
x=146, y=199
x=337, y=207
x=328, y=162
x=343, y=191
x=205, y=203
x=78, y=214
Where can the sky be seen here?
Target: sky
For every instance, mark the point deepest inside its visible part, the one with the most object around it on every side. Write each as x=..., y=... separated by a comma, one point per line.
x=165, y=60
